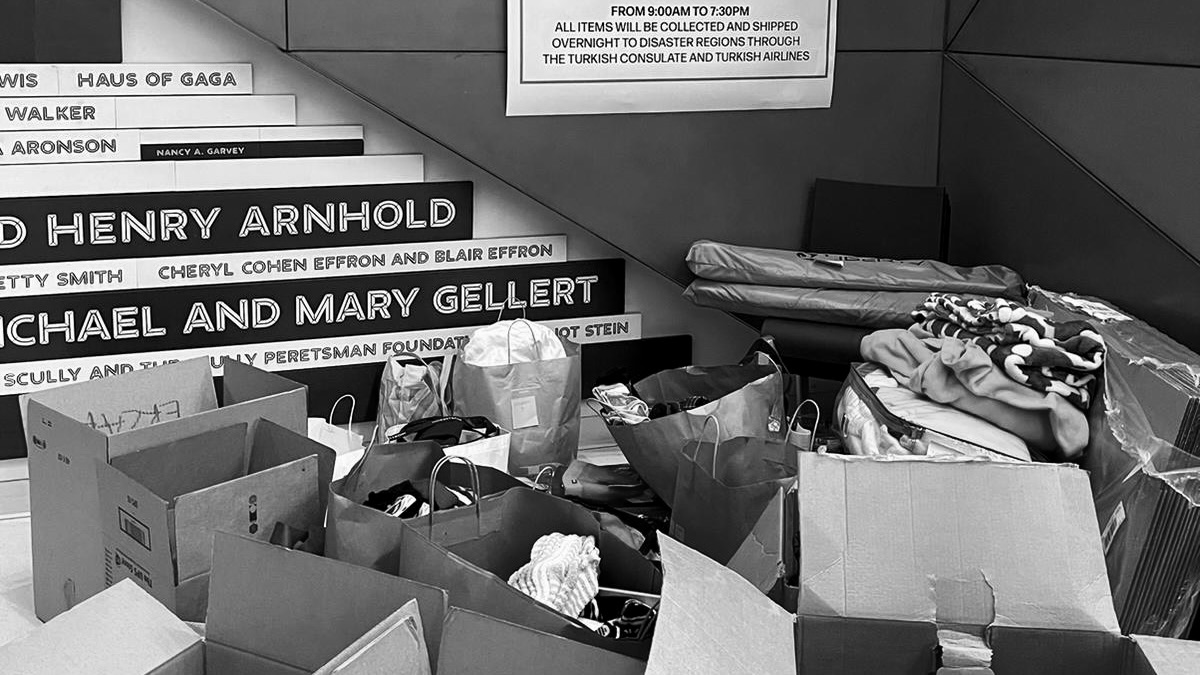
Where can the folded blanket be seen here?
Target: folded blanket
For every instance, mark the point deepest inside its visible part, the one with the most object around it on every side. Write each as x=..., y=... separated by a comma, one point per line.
x=776, y=267
x=868, y=309
x=1055, y=357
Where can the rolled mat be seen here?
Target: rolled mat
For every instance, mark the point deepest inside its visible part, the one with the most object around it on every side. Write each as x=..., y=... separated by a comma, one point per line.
x=776, y=267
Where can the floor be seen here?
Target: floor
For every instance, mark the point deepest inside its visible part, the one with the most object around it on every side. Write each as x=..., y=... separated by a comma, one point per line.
x=16, y=579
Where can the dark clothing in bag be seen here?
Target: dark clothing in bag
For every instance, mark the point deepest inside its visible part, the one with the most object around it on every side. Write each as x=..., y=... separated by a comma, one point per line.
x=747, y=400
x=475, y=554
x=365, y=536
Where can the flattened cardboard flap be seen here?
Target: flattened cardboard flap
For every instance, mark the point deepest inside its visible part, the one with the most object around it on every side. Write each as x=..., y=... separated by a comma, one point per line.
x=474, y=643
x=711, y=620
x=275, y=445
x=193, y=463
x=122, y=631
x=1167, y=656
x=300, y=609
x=396, y=645
x=242, y=383
x=933, y=541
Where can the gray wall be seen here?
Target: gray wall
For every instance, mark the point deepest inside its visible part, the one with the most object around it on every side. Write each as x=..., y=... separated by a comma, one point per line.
x=1071, y=149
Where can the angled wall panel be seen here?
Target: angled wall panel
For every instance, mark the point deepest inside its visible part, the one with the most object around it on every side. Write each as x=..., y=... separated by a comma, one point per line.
x=902, y=26
x=16, y=31
x=957, y=12
x=651, y=184
x=265, y=18
x=397, y=25
x=77, y=31
x=1017, y=200
x=1149, y=31
x=478, y=25
x=1135, y=127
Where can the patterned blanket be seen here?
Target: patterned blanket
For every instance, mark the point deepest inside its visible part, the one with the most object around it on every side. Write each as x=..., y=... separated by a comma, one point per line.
x=1062, y=358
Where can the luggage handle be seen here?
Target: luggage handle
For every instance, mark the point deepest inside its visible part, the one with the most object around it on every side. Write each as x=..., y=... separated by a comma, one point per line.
x=812, y=439
x=716, y=444
x=537, y=347
x=349, y=421
x=430, y=382
x=474, y=471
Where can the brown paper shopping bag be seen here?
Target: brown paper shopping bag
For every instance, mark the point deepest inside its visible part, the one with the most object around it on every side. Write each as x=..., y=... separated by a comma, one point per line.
x=369, y=537
x=537, y=400
x=723, y=489
x=472, y=552
x=747, y=399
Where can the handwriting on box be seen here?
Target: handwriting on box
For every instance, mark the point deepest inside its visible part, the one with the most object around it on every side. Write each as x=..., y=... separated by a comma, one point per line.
x=128, y=420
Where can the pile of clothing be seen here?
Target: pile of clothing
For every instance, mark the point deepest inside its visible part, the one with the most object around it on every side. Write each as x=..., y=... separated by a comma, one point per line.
x=563, y=572
x=1000, y=361
x=619, y=404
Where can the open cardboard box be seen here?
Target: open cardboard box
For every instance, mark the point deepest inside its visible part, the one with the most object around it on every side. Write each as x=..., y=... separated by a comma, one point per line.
x=159, y=506
x=122, y=631
x=893, y=550
x=474, y=643
x=276, y=611
x=67, y=429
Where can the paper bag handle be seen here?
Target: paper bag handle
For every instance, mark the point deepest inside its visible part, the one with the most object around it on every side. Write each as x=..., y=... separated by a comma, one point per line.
x=352, y=475
x=500, y=314
x=816, y=422
x=349, y=421
x=716, y=444
x=537, y=347
x=474, y=471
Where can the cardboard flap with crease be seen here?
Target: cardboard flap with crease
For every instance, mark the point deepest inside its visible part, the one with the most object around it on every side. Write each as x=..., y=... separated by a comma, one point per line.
x=121, y=631
x=964, y=542
x=299, y=609
x=711, y=620
x=474, y=643
x=1165, y=656
x=395, y=645
x=115, y=404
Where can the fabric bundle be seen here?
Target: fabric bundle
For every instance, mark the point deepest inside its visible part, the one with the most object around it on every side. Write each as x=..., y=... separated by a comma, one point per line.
x=960, y=374
x=1056, y=358
x=563, y=572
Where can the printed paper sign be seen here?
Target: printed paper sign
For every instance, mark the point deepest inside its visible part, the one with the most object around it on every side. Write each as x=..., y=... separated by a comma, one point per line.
x=613, y=56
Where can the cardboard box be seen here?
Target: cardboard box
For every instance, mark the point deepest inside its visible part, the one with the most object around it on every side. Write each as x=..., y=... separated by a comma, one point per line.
x=891, y=551
x=275, y=611
x=1165, y=656
x=122, y=631
x=1147, y=425
x=395, y=645
x=69, y=428
x=473, y=643
x=159, y=506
